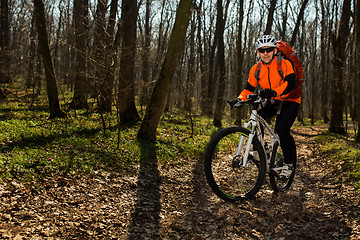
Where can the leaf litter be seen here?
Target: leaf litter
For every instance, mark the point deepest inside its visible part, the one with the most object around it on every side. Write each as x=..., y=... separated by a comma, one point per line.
x=163, y=201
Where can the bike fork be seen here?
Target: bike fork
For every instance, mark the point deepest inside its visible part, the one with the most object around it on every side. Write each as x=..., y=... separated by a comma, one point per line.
x=245, y=162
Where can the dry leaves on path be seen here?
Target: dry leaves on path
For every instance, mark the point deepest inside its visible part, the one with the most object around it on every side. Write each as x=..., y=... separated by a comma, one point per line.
x=174, y=202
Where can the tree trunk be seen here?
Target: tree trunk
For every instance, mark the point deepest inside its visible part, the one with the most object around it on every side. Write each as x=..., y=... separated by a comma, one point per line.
x=240, y=59
x=32, y=55
x=145, y=82
x=191, y=76
x=54, y=106
x=284, y=20
x=211, y=82
x=106, y=88
x=126, y=96
x=220, y=101
x=80, y=84
x=104, y=55
x=176, y=44
x=4, y=45
x=4, y=42
x=202, y=68
x=99, y=49
x=270, y=18
x=297, y=25
x=313, y=74
x=337, y=92
x=322, y=69
x=357, y=46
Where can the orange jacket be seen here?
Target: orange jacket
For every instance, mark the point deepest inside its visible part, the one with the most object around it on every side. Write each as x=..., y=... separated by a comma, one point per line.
x=270, y=78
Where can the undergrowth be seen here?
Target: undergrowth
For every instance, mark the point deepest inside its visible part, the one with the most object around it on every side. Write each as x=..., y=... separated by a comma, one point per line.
x=34, y=147
x=345, y=153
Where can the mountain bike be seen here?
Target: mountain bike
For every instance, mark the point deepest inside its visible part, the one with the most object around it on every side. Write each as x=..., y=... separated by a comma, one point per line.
x=237, y=158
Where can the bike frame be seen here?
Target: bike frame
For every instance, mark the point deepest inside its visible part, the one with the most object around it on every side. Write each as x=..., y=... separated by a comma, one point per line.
x=255, y=123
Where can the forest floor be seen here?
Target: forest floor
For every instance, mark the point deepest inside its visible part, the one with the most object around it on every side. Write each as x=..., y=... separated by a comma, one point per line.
x=163, y=201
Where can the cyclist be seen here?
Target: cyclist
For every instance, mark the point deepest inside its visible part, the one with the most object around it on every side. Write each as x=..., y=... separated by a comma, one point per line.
x=276, y=88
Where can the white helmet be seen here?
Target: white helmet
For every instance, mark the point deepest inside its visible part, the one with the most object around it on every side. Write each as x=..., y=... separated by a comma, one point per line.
x=266, y=41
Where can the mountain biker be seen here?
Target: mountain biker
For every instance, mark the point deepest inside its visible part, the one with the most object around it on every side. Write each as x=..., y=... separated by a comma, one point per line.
x=275, y=88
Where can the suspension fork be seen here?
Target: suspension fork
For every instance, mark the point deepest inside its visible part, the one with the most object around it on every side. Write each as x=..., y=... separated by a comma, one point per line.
x=252, y=122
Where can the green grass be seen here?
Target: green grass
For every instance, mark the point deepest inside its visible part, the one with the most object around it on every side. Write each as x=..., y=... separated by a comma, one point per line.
x=343, y=152
x=33, y=147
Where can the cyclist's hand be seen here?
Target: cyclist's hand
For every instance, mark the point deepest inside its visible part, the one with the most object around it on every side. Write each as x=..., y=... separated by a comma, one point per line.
x=234, y=102
x=267, y=93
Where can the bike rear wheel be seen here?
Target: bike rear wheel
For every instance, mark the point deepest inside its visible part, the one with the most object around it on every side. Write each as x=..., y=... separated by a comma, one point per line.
x=225, y=175
x=278, y=183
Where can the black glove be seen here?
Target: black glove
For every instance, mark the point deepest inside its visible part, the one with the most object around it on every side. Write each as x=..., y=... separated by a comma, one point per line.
x=267, y=93
x=233, y=102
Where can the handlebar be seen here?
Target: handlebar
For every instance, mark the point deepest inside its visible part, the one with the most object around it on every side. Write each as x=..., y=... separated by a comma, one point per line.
x=253, y=99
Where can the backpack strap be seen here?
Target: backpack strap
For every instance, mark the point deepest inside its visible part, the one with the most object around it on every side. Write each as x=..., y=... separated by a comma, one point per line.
x=279, y=58
x=257, y=72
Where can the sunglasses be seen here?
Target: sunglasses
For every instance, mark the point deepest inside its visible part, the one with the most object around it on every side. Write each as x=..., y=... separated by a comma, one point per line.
x=268, y=50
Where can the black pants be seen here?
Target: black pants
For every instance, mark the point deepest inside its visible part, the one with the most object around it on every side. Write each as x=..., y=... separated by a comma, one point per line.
x=284, y=120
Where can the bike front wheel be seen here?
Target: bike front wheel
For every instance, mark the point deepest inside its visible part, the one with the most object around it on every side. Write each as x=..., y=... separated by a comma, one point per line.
x=278, y=183
x=225, y=173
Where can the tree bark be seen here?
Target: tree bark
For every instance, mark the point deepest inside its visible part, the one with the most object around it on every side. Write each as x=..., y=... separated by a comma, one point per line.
x=145, y=82
x=191, y=76
x=202, y=68
x=211, y=82
x=270, y=18
x=4, y=42
x=4, y=45
x=107, y=85
x=220, y=101
x=99, y=53
x=80, y=84
x=157, y=101
x=126, y=96
x=322, y=74
x=54, y=106
x=297, y=25
x=240, y=59
x=284, y=20
x=357, y=46
x=337, y=92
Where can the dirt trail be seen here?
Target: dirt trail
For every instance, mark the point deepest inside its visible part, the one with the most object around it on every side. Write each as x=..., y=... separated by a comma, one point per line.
x=174, y=202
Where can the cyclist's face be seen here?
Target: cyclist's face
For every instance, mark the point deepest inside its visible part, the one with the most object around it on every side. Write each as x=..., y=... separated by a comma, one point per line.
x=267, y=54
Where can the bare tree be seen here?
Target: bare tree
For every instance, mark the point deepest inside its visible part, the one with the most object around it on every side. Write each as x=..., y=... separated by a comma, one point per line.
x=357, y=46
x=220, y=22
x=240, y=60
x=337, y=93
x=145, y=82
x=4, y=44
x=80, y=85
x=104, y=54
x=99, y=47
x=322, y=70
x=200, y=51
x=126, y=96
x=298, y=21
x=157, y=101
x=51, y=86
x=4, y=41
x=270, y=18
x=107, y=84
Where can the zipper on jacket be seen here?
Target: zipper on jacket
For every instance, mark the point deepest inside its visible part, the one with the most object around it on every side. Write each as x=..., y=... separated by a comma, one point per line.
x=269, y=77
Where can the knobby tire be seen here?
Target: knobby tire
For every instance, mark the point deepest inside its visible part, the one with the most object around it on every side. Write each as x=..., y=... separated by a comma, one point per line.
x=232, y=182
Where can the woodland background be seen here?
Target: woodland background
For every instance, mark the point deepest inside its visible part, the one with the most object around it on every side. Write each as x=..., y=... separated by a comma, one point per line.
x=82, y=81
x=122, y=57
